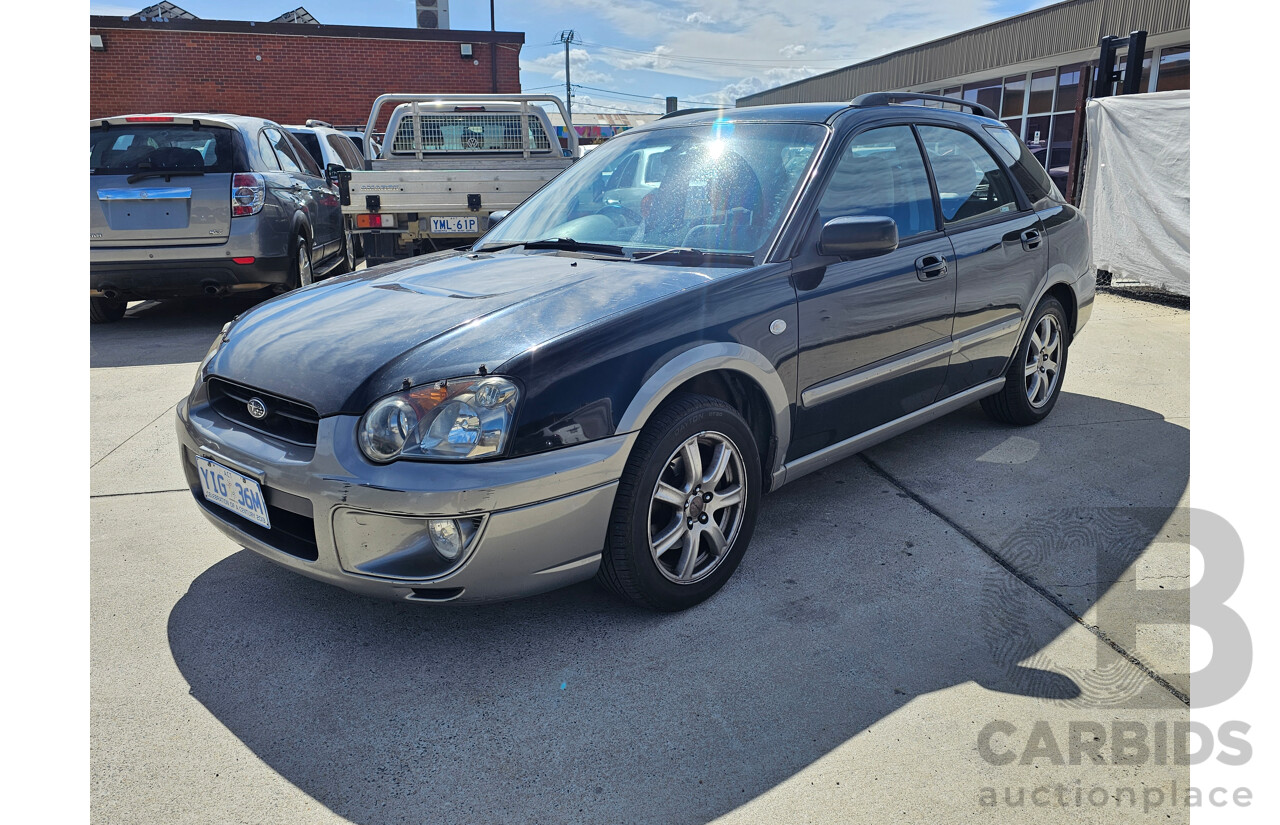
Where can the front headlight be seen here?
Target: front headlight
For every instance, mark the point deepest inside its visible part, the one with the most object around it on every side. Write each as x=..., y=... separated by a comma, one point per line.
x=457, y=419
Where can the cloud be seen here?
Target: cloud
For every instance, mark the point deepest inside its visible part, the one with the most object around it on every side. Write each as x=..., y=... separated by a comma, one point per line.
x=698, y=18
x=552, y=64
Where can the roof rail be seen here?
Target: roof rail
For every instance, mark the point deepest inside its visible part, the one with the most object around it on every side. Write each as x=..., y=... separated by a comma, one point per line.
x=679, y=112
x=312, y=123
x=886, y=98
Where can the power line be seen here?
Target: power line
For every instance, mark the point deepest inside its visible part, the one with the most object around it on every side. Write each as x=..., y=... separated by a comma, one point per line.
x=745, y=61
x=642, y=97
x=615, y=109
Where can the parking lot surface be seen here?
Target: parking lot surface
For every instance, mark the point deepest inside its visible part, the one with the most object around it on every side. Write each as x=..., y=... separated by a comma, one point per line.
x=904, y=624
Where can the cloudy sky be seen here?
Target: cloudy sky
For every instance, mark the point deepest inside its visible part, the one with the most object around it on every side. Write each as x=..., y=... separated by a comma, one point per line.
x=633, y=53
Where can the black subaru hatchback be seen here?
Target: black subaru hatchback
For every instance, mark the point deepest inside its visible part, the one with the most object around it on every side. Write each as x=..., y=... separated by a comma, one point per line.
x=607, y=383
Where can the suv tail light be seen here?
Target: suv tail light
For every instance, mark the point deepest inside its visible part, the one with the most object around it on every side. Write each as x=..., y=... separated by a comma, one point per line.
x=248, y=193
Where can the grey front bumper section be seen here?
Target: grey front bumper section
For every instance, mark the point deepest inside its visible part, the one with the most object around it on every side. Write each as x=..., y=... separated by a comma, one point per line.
x=544, y=517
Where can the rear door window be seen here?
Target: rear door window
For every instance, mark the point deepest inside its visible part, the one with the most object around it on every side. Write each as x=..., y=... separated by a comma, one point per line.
x=971, y=184
x=129, y=148
x=346, y=150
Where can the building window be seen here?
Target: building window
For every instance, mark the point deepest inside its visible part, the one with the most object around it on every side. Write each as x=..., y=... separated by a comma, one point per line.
x=1042, y=84
x=1015, y=92
x=985, y=93
x=1175, y=69
x=1069, y=87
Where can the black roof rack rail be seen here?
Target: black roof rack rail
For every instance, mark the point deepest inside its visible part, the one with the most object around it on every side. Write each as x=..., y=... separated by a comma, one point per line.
x=679, y=112
x=886, y=98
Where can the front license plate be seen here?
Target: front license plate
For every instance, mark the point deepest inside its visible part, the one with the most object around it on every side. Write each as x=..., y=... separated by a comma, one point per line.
x=227, y=488
x=459, y=225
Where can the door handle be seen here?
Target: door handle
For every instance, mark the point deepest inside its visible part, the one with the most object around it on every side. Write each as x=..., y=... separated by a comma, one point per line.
x=931, y=267
x=1031, y=239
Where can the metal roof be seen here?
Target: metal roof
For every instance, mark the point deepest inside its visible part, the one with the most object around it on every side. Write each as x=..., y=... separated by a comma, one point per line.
x=1058, y=29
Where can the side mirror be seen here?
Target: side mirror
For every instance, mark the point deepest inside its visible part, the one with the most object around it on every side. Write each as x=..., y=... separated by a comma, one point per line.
x=862, y=237
x=495, y=217
x=331, y=173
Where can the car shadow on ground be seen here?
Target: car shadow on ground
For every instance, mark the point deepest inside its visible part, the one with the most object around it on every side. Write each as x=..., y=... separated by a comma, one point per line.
x=166, y=332
x=852, y=601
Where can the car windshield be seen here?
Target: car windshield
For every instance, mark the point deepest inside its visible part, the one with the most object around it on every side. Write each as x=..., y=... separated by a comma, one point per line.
x=129, y=148
x=716, y=187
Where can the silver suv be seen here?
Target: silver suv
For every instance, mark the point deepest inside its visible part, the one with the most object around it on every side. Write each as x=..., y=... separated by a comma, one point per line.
x=199, y=204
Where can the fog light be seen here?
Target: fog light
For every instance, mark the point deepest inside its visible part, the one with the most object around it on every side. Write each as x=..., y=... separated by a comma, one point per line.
x=446, y=536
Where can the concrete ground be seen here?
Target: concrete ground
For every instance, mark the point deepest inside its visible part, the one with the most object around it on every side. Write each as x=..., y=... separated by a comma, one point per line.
x=904, y=624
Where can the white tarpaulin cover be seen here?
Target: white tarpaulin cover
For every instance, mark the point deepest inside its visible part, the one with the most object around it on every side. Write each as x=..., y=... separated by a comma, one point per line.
x=1137, y=188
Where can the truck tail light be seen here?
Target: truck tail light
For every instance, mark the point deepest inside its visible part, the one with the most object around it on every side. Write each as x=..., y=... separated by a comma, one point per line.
x=375, y=221
x=248, y=193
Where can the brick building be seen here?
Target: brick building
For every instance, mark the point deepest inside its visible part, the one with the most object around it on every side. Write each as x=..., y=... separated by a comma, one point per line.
x=287, y=72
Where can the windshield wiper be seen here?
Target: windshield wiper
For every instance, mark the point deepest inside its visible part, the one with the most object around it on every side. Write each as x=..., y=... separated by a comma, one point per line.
x=163, y=173
x=566, y=244
x=570, y=245
x=689, y=256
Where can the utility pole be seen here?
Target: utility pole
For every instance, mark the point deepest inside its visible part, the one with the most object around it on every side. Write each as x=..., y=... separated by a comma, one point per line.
x=493, y=52
x=566, y=37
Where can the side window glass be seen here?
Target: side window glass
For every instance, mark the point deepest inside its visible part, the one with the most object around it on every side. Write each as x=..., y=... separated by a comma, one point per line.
x=268, y=154
x=970, y=182
x=308, y=163
x=1035, y=181
x=346, y=151
x=283, y=153
x=881, y=173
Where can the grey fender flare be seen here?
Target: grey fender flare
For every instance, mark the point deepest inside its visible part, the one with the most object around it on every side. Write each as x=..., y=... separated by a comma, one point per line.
x=706, y=358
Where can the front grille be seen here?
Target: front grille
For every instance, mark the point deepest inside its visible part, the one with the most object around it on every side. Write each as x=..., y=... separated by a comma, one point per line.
x=286, y=419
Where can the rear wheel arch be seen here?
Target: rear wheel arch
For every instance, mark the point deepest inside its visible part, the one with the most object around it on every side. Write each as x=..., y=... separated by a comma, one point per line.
x=1067, y=297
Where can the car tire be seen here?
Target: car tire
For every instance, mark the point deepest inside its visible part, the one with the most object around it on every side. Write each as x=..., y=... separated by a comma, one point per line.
x=303, y=274
x=672, y=542
x=348, y=261
x=1034, y=378
x=106, y=310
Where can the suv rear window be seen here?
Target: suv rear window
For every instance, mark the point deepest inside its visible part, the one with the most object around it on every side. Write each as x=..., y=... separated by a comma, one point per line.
x=132, y=147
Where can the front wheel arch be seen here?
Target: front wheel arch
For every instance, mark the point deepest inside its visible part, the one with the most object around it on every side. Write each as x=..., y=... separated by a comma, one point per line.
x=734, y=373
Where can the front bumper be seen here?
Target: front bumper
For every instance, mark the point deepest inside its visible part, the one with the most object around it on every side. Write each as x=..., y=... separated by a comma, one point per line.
x=542, y=518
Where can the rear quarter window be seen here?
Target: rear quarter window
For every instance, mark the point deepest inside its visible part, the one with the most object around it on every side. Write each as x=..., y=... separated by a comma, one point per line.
x=128, y=148
x=1031, y=176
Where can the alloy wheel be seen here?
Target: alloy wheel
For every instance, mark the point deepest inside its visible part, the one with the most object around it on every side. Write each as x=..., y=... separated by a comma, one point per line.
x=697, y=507
x=1042, y=362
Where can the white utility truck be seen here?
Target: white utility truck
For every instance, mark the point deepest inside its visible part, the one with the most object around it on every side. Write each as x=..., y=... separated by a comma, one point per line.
x=446, y=164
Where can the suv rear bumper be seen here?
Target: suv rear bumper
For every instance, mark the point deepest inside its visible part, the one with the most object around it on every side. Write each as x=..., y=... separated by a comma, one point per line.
x=137, y=280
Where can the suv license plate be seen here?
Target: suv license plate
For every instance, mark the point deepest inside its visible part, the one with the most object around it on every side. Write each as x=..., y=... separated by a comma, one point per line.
x=459, y=225
x=227, y=488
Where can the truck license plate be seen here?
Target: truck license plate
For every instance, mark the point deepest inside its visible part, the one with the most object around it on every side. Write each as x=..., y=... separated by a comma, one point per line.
x=459, y=225
x=227, y=488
